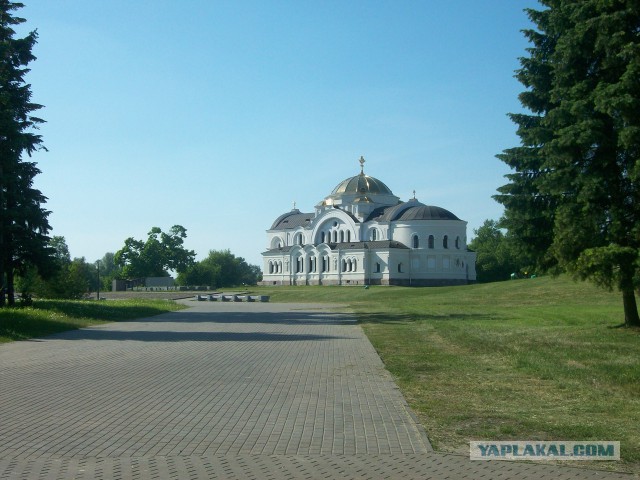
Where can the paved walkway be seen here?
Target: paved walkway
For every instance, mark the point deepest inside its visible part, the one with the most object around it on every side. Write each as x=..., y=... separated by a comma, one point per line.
x=221, y=390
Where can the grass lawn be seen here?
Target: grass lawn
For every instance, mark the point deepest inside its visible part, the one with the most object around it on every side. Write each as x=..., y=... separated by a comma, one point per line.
x=537, y=359
x=52, y=316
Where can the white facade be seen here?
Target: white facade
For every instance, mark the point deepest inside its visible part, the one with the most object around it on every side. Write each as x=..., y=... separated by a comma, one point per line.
x=362, y=234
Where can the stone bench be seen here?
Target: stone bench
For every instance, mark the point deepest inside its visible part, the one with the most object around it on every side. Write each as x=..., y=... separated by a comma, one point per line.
x=217, y=297
x=258, y=298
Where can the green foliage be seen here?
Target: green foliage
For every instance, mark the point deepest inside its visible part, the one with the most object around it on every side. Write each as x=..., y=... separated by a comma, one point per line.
x=573, y=198
x=220, y=269
x=23, y=220
x=109, y=271
x=155, y=257
x=71, y=279
x=497, y=257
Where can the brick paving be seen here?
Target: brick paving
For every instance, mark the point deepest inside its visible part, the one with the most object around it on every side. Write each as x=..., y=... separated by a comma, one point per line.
x=221, y=390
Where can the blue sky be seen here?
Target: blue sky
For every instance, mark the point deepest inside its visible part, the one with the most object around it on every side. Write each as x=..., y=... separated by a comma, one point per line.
x=218, y=115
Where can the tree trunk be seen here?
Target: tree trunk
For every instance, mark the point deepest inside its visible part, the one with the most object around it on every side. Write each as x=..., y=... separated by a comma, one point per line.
x=631, y=318
x=11, y=297
x=2, y=247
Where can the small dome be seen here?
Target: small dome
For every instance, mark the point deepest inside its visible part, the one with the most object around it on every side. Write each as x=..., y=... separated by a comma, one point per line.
x=414, y=210
x=362, y=184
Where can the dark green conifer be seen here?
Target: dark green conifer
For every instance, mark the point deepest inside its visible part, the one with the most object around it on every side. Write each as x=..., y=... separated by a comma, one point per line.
x=23, y=221
x=574, y=194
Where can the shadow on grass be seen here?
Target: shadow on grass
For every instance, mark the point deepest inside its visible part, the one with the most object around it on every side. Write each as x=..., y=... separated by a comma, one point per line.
x=98, y=310
x=23, y=327
x=400, y=318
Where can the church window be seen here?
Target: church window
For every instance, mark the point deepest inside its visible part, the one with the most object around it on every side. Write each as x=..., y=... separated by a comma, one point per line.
x=355, y=265
x=322, y=234
x=299, y=264
x=377, y=267
x=341, y=236
x=298, y=239
x=431, y=241
x=400, y=268
x=458, y=243
x=445, y=242
x=335, y=236
x=270, y=267
x=348, y=235
x=416, y=241
x=374, y=235
x=344, y=265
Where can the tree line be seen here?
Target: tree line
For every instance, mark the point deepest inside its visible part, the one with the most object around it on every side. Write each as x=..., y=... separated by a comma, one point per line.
x=160, y=255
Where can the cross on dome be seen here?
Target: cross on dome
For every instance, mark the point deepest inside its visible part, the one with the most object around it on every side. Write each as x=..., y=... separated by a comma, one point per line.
x=362, y=160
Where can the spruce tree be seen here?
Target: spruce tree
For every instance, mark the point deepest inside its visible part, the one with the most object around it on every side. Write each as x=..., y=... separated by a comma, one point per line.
x=573, y=197
x=23, y=221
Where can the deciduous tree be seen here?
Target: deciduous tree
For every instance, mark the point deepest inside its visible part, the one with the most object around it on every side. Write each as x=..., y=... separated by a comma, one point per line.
x=220, y=269
x=154, y=258
x=574, y=194
x=496, y=257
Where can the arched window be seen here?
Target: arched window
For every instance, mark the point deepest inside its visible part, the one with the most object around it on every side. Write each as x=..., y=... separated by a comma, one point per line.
x=458, y=243
x=348, y=235
x=445, y=241
x=355, y=265
x=270, y=267
x=377, y=267
x=416, y=241
x=299, y=265
x=344, y=265
x=431, y=241
x=374, y=235
x=400, y=268
x=297, y=239
x=322, y=237
x=335, y=236
x=341, y=236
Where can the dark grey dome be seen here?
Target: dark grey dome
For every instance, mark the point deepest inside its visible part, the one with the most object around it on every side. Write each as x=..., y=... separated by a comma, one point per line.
x=362, y=184
x=414, y=210
x=292, y=219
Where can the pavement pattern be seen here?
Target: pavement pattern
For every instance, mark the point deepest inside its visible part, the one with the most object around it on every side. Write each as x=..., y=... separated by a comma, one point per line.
x=221, y=390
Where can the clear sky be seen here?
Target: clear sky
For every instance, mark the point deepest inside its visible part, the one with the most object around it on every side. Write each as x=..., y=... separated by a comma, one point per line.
x=218, y=115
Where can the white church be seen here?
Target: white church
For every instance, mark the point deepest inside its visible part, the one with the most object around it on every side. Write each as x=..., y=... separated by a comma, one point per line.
x=362, y=234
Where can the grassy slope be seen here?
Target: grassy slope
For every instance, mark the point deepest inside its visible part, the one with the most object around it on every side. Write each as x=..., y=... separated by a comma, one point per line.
x=52, y=316
x=532, y=359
